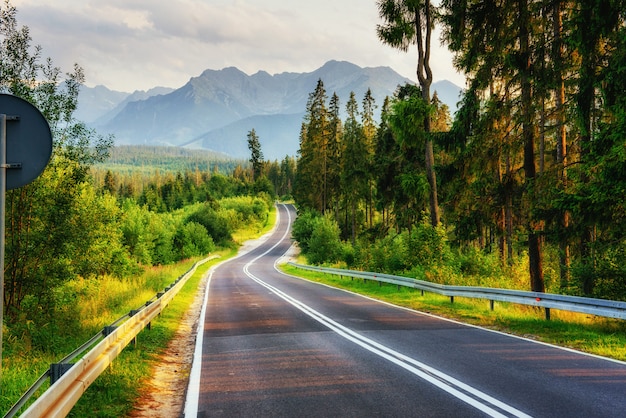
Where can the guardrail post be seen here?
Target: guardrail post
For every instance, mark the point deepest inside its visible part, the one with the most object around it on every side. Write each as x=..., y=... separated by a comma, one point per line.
x=547, y=314
x=132, y=313
x=451, y=299
x=108, y=330
x=57, y=370
x=491, y=305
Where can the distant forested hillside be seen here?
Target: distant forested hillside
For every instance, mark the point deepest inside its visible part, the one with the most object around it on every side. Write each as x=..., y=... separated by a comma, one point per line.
x=133, y=158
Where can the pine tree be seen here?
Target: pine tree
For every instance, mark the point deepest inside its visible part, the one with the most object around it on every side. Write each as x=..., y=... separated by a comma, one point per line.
x=385, y=166
x=334, y=155
x=110, y=182
x=311, y=181
x=406, y=116
x=256, y=155
x=369, y=134
x=354, y=166
x=495, y=46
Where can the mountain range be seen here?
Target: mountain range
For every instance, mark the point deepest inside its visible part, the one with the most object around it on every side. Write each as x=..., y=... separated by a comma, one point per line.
x=217, y=109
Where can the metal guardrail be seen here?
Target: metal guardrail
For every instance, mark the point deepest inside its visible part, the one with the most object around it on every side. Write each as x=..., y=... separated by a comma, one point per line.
x=599, y=307
x=68, y=381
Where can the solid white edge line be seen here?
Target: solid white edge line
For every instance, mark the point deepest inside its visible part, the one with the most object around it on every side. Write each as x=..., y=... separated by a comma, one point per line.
x=193, y=388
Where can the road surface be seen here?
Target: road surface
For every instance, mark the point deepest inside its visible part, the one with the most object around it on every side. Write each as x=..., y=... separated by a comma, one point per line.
x=277, y=346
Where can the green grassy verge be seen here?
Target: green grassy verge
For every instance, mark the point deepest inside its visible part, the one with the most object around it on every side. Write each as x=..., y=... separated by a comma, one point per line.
x=601, y=336
x=115, y=391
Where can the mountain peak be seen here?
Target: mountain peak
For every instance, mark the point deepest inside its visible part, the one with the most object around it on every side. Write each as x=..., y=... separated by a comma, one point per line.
x=226, y=71
x=335, y=64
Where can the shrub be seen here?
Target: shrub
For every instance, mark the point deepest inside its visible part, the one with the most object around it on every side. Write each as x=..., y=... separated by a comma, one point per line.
x=474, y=262
x=428, y=246
x=192, y=240
x=248, y=208
x=215, y=223
x=324, y=245
x=303, y=229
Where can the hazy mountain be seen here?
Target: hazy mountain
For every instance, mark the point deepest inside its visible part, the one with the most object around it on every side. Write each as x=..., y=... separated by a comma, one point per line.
x=218, y=108
x=276, y=133
x=93, y=102
x=448, y=92
x=138, y=95
x=97, y=105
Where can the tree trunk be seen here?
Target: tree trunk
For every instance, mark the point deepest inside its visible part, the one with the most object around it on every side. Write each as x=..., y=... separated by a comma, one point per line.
x=425, y=78
x=528, y=134
x=561, y=140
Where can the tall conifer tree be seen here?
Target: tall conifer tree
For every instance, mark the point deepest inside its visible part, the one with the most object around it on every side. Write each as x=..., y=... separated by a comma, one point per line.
x=354, y=167
x=256, y=155
x=311, y=178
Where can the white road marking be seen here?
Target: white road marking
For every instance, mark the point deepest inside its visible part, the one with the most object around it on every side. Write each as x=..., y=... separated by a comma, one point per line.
x=456, y=388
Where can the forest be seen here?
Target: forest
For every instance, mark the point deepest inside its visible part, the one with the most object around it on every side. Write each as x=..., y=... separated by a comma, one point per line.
x=529, y=175
x=531, y=171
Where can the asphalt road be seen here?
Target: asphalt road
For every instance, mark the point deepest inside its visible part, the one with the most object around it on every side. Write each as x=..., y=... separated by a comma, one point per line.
x=277, y=346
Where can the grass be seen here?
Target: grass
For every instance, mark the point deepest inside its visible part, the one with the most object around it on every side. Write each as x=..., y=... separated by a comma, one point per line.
x=596, y=335
x=115, y=391
x=101, y=303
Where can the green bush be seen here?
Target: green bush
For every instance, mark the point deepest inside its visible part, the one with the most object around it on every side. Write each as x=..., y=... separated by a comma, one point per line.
x=192, y=240
x=324, y=246
x=394, y=251
x=474, y=262
x=214, y=222
x=263, y=185
x=602, y=275
x=428, y=246
x=303, y=229
x=248, y=208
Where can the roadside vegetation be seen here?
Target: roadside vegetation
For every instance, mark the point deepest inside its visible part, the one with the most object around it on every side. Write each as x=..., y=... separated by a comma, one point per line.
x=141, y=252
x=426, y=253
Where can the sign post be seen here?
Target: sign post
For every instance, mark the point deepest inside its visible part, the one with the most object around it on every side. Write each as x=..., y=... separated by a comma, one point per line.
x=25, y=149
x=3, y=188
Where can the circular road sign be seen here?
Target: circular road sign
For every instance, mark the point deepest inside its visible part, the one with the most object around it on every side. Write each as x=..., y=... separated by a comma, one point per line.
x=29, y=141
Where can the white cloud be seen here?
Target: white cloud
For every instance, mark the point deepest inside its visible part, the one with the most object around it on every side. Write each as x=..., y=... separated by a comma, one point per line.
x=138, y=44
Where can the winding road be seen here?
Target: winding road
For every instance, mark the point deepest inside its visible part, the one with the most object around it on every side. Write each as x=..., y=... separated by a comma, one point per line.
x=271, y=345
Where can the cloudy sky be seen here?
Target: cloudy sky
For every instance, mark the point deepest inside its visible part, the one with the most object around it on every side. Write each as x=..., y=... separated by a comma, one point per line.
x=132, y=45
